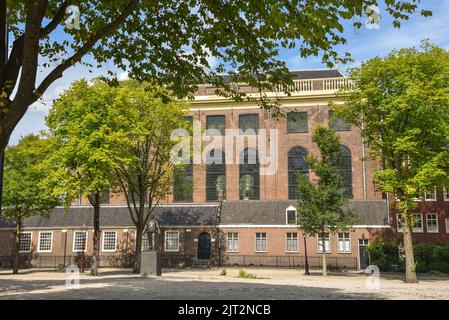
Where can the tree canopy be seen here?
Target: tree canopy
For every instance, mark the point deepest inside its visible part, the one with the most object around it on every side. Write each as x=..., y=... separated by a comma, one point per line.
x=172, y=41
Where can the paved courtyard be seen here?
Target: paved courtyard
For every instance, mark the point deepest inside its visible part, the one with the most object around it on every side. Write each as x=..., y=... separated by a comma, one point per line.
x=208, y=284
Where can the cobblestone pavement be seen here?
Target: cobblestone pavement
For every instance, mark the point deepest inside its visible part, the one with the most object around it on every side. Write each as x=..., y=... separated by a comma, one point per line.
x=208, y=284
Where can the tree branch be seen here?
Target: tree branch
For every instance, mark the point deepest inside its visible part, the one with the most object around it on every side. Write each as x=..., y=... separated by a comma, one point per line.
x=57, y=72
x=55, y=21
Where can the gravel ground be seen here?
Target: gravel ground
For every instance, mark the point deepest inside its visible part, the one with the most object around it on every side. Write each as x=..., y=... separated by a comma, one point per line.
x=208, y=284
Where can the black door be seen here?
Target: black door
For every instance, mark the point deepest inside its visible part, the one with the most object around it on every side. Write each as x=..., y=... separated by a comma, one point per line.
x=204, y=246
x=363, y=253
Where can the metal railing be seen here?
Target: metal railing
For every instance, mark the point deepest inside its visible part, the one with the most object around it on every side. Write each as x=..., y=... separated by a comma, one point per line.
x=336, y=263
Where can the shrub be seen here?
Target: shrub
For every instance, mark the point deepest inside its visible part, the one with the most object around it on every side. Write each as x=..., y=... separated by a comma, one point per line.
x=385, y=255
x=223, y=272
x=243, y=274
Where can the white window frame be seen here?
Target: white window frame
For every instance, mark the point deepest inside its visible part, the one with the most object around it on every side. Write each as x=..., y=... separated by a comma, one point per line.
x=266, y=242
x=103, y=243
x=286, y=242
x=427, y=223
x=31, y=241
x=447, y=224
x=328, y=238
x=418, y=230
x=434, y=195
x=344, y=239
x=446, y=194
x=291, y=208
x=39, y=241
x=233, y=239
x=398, y=220
x=74, y=237
x=165, y=240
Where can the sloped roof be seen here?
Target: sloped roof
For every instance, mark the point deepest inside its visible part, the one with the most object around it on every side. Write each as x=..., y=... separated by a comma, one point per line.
x=115, y=216
x=369, y=212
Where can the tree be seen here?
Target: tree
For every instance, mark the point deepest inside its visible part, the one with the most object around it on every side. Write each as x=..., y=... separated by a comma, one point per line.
x=172, y=40
x=81, y=160
x=401, y=105
x=322, y=202
x=143, y=117
x=24, y=195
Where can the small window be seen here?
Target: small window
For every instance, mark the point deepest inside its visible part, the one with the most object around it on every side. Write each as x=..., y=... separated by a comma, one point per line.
x=261, y=242
x=45, y=241
x=215, y=125
x=431, y=195
x=172, y=241
x=233, y=242
x=292, y=242
x=446, y=194
x=337, y=123
x=447, y=225
x=79, y=241
x=109, y=241
x=344, y=243
x=291, y=215
x=417, y=222
x=25, y=242
x=326, y=243
x=297, y=122
x=104, y=196
x=432, y=223
x=249, y=124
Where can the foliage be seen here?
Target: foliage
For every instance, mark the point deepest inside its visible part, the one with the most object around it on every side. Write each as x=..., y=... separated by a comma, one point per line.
x=384, y=254
x=401, y=105
x=173, y=41
x=23, y=193
x=224, y=272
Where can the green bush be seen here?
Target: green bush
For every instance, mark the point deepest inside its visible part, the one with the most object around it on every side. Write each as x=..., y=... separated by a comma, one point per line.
x=429, y=258
x=385, y=255
x=243, y=274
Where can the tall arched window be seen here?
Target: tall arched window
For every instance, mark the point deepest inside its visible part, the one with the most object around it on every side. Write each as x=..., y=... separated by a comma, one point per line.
x=249, y=182
x=296, y=165
x=344, y=165
x=215, y=174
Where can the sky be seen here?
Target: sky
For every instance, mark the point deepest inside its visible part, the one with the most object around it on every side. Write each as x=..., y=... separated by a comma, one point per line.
x=363, y=44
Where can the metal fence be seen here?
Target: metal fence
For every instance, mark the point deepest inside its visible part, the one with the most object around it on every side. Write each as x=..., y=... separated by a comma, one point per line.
x=336, y=263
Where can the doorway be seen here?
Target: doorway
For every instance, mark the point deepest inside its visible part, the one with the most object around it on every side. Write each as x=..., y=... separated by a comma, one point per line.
x=204, y=246
x=363, y=254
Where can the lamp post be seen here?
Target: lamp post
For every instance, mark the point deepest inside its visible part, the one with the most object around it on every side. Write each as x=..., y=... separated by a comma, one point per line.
x=65, y=244
x=126, y=247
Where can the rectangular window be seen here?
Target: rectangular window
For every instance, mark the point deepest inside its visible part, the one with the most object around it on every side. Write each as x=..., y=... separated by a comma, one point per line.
x=233, y=242
x=104, y=196
x=344, y=243
x=337, y=123
x=249, y=123
x=45, y=241
x=431, y=194
x=292, y=242
x=432, y=223
x=326, y=243
x=261, y=242
x=109, y=241
x=417, y=222
x=291, y=217
x=79, y=241
x=172, y=241
x=297, y=122
x=447, y=225
x=216, y=125
x=25, y=242
x=446, y=194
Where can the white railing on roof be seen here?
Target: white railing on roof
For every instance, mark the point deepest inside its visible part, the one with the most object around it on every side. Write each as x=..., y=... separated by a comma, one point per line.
x=328, y=84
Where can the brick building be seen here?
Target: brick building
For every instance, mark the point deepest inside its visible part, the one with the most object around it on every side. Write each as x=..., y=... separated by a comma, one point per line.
x=251, y=226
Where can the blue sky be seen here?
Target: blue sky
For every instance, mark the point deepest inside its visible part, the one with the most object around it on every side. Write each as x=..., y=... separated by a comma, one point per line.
x=363, y=44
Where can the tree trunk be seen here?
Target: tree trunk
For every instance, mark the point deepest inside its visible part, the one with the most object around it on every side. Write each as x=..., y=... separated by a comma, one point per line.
x=410, y=267
x=306, y=258
x=16, y=259
x=323, y=248
x=138, y=251
x=96, y=238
